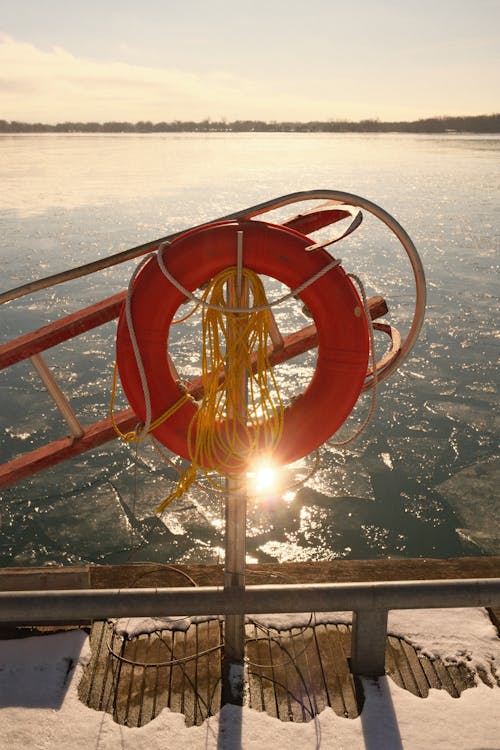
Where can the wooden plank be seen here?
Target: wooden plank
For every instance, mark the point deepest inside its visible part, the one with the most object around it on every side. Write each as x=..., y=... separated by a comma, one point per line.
x=173, y=696
x=178, y=680
x=147, y=654
x=99, y=685
x=64, y=448
x=280, y=661
x=467, y=676
x=153, y=575
x=295, y=674
x=253, y=652
x=404, y=671
x=200, y=706
x=415, y=664
x=457, y=678
x=444, y=678
x=431, y=675
x=341, y=647
x=391, y=662
x=255, y=687
x=298, y=674
x=270, y=679
x=43, y=579
x=322, y=657
x=128, y=675
x=160, y=676
x=153, y=654
x=313, y=687
x=159, y=685
x=333, y=667
x=294, y=700
x=209, y=684
x=189, y=671
x=61, y=330
x=111, y=673
x=133, y=575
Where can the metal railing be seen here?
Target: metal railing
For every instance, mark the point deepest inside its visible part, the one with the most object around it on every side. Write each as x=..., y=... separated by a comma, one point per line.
x=370, y=603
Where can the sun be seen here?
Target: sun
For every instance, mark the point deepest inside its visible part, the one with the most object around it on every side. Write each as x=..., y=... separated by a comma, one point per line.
x=263, y=479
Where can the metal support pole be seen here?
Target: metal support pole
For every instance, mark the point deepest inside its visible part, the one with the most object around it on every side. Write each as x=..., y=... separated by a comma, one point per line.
x=234, y=585
x=234, y=568
x=236, y=502
x=368, y=642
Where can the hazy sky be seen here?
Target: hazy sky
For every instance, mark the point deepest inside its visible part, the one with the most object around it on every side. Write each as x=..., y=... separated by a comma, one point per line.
x=247, y=59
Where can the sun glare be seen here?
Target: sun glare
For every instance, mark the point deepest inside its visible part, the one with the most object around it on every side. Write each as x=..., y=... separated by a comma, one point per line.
x=263, y=479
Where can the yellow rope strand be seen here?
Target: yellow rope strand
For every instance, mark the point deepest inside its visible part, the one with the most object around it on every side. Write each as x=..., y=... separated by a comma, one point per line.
x=185, y=317
x=133, y=436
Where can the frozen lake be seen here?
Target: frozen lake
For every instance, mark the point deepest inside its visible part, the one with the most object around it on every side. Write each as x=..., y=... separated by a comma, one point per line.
x=423, y=478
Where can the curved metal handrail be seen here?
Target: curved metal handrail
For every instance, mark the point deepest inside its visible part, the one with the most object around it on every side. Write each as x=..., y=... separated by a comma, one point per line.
x=336, y=196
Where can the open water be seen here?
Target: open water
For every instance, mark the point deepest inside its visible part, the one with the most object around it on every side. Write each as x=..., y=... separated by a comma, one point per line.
x=422, y=480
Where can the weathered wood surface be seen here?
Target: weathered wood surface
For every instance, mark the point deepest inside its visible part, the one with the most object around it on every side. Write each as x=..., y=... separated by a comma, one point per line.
x=140, y=575
x=291, y=674
x=179, y=674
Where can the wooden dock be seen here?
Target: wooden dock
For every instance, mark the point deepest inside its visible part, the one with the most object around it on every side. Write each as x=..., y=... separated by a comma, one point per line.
x=291, y=674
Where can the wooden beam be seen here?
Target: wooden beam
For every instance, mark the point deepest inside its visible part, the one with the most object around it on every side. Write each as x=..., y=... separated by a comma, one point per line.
x=61, y=330
x=67, y=447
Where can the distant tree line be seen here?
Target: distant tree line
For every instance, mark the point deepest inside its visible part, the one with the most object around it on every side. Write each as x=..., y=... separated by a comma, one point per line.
x=473, y=124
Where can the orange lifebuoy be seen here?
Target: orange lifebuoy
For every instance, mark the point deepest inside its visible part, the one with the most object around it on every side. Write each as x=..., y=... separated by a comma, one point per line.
x=271, y=250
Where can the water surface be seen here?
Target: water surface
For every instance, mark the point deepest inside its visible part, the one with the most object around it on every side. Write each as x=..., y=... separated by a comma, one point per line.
x=423, y=478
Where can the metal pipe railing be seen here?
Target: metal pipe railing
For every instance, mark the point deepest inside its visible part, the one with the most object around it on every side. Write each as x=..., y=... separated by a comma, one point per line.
x=370, y=603
x=58, y=606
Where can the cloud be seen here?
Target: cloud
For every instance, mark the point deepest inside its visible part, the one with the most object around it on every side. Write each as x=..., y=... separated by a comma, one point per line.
x=53, y=85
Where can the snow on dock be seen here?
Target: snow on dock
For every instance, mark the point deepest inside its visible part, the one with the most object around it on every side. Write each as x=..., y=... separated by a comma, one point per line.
x=67, y=689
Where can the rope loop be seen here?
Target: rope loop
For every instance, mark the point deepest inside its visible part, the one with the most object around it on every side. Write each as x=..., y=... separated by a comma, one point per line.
x=227, y=309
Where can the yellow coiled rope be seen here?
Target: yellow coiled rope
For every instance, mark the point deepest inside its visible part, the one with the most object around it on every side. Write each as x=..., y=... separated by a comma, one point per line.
x=240, y=416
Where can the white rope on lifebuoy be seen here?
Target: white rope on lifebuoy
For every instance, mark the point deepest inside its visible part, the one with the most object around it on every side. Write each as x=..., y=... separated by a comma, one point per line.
x=137, y=354
x=223, y=309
